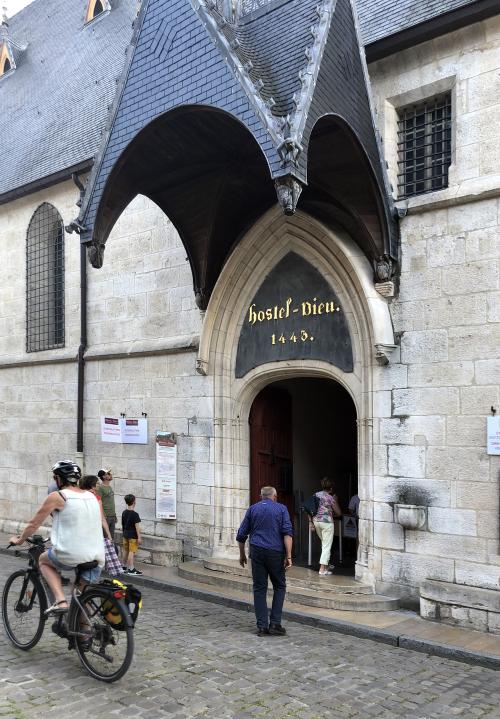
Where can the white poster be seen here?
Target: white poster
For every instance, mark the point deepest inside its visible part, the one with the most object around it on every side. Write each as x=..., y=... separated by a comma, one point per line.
x=134, y=431
x=111, y=429
x=493, y=429
x=124, y=431
x=166, y=476
x=349, y=526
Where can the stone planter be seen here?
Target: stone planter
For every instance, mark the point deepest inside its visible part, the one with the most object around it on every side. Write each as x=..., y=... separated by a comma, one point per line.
x=410, y=516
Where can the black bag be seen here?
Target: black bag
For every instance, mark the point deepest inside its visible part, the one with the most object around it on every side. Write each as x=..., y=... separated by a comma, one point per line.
x=311, y=506
x=133, y=600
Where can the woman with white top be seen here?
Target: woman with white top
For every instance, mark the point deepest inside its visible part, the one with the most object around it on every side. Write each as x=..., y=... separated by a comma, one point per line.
x=76, y=535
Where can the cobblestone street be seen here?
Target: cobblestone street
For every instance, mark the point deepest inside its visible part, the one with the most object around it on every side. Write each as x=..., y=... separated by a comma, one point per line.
x=195, y=659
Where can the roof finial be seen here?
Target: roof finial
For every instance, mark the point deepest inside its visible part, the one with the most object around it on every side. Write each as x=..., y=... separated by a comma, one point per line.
x=4, y=14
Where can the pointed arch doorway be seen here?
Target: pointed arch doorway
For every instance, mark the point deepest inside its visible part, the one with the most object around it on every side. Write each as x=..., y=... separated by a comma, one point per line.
x=301, y=430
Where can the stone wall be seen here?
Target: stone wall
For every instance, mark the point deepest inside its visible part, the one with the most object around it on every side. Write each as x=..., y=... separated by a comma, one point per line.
x=432, y=441
x=143, y=333
x=37, y=398
x=142, y=312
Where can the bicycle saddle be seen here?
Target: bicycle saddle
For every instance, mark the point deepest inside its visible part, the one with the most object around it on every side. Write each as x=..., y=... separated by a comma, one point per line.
x=87, y=565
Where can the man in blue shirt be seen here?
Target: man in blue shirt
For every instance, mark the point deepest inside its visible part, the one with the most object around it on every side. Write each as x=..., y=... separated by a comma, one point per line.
x=268, y=524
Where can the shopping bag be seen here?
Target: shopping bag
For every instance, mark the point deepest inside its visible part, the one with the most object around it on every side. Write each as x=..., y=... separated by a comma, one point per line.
x=113, y=565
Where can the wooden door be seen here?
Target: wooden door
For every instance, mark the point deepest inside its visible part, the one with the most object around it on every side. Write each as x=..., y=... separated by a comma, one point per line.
x=271, y=446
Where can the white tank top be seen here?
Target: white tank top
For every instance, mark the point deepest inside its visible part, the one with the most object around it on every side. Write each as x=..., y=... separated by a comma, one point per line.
x=76, y=535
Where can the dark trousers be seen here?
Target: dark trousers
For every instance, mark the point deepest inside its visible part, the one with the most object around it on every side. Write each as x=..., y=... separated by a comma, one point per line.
x=268, y=563
x=111, y=524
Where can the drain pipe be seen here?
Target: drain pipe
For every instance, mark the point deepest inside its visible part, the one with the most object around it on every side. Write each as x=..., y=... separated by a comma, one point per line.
x=81, y=352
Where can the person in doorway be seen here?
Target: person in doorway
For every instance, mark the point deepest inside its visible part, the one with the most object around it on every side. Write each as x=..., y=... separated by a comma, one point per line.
x=268, y=525
x=106, y=493
x=354, y=506
x=76, y=535
x=131, y=528
x=323, y=522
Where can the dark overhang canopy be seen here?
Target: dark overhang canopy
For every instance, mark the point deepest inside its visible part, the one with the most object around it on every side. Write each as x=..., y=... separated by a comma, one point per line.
x=218, y=120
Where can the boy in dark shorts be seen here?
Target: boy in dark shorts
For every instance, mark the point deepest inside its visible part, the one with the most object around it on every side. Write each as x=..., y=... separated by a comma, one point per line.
x=131, y=528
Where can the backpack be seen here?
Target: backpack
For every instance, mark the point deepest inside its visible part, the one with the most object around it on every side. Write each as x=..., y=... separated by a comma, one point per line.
x=311, y=506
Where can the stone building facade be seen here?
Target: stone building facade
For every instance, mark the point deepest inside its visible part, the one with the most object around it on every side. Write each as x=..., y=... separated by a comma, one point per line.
x=425, y=340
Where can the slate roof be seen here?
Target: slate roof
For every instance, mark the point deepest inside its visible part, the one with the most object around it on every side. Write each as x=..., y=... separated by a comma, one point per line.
x=55, y=105
x=381, y=18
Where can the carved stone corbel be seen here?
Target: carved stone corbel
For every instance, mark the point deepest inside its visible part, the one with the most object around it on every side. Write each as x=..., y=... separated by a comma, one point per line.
x=96, y=254
x=202, y=366
x=288, y=190
x=383, y=353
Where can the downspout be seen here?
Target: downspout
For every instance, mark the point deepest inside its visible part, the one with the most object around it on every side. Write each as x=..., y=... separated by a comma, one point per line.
x=72, y=227
x=81, y=350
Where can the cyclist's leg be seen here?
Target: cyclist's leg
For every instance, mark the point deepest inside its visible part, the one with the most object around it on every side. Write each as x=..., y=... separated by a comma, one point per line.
x=53, y=579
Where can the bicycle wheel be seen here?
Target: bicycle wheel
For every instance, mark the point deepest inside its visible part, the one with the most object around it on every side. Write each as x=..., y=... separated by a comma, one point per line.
x=105, y=651
x=23, y=604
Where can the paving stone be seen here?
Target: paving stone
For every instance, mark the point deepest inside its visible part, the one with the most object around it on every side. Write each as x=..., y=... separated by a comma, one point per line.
x=203, y=661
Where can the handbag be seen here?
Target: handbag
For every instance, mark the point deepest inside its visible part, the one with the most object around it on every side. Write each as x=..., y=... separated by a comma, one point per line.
x=113, y=565
x=311, y=506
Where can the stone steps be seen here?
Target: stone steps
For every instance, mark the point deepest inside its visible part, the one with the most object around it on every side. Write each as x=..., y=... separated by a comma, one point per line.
x=326, y=597
x=297, y=577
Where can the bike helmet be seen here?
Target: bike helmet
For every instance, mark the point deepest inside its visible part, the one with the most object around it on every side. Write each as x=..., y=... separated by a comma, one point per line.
x=67, y=470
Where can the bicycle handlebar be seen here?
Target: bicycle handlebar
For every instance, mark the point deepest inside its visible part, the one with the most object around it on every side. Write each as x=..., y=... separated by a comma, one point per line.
x=34, y=540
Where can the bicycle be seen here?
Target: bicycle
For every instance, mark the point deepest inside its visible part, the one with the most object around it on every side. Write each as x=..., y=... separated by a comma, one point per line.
x=98, y=623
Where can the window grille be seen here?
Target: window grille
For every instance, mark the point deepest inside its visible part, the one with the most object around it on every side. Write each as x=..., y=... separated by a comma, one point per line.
x=45, y=280
x=424, y=147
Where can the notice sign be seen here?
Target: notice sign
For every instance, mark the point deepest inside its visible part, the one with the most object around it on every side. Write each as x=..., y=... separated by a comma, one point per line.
x=166, y=475
x=124, y=431
x=111, y=430
x=493, y=431
x=349, y=527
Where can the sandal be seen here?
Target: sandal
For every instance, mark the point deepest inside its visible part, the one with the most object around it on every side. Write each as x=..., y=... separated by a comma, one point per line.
x=325, y=574
x=56, y=608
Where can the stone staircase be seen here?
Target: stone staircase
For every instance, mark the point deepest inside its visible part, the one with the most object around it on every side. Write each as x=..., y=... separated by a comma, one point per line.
x=304, y=586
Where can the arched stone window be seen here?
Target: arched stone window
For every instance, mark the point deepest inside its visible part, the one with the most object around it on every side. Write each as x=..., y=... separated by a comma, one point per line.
x=45, y=280
x=95, y=8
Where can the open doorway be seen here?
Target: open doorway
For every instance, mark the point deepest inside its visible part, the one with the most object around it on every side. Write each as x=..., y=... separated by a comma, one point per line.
x=300, y=431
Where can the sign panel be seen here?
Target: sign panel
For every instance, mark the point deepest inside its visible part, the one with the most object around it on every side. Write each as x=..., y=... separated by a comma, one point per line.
x=134, y=431
x=111, y=429
x=166, y=475
x=124, y=431
x=493, y=430
x=294, y=315
x=349, y=526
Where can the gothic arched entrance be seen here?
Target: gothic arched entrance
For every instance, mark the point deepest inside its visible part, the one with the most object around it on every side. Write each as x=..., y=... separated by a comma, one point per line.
x=303, y=429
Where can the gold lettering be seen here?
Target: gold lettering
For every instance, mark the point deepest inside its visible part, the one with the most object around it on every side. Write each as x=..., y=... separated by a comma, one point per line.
x=281, y=313
x=306, y=309
x=252, y=317
x=288, y=303
x=269, y=314
x=321, y=308
x=330, y=307
x=261, y=315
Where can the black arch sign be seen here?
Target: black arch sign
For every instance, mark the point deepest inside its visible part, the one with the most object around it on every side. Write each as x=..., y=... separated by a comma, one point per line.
x=294, y=315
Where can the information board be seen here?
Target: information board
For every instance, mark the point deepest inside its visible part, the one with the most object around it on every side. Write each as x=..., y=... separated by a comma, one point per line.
x=166, y=475
x=123, y=430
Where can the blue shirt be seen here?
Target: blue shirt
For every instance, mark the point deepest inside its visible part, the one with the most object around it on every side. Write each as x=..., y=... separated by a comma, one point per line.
x=267, y=522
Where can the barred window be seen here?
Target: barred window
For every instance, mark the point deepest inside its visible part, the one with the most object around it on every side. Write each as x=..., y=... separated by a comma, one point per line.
x=424, y=146
x=45, y=280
